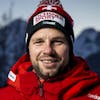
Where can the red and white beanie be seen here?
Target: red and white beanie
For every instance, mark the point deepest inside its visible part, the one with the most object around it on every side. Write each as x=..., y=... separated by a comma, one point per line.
x=51, y=14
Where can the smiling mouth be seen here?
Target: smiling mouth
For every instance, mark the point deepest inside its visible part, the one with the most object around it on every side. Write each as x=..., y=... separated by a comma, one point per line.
x=49, y=62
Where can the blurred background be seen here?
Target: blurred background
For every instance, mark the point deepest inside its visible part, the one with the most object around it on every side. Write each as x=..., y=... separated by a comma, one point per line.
x=15, y=13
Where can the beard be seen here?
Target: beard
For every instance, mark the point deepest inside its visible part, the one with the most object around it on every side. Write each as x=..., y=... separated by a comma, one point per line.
x=61, y=67
x=40, y=74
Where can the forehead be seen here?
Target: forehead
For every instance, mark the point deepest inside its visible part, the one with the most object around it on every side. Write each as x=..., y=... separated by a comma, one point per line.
x=48, y=33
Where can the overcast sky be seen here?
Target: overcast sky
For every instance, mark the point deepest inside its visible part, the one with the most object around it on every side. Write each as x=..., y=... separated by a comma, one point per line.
x=85, y=13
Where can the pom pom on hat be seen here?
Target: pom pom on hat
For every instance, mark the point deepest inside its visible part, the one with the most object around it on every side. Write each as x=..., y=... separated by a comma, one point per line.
x=50, y=13
x=50, y=2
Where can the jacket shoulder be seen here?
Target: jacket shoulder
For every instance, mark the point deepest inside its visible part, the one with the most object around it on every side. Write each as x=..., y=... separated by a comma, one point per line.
x=9, y=93
x=92, y=94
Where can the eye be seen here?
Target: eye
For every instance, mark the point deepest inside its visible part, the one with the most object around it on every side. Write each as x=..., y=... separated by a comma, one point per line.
x=58, y=42
x=38, y=42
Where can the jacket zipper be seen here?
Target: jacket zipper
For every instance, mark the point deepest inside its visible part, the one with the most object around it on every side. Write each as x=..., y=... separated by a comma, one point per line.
x=41, y=91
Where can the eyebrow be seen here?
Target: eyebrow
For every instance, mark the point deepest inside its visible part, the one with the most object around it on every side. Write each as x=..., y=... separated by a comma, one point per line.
x=35, y=39
x=62, y=38
x=54, y=38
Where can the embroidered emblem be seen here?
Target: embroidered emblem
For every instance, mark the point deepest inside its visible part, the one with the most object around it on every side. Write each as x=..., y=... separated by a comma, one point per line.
x=51, y=16
x=12, y=76
x=94, y=96
x=49, y=7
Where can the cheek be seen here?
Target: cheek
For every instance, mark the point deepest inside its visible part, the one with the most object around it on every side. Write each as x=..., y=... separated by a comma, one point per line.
x=63, y=52
x=33, y=51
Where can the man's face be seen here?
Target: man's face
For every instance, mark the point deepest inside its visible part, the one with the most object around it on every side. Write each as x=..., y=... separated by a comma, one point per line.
x=49, y=52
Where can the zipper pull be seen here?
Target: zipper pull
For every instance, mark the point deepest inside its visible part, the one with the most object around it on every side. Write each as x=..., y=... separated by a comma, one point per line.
x=41, y=81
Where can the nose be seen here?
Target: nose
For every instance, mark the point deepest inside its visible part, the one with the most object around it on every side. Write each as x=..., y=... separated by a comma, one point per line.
x=48, y=50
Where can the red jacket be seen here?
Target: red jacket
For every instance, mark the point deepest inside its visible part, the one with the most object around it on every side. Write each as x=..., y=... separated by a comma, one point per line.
x=78, y=84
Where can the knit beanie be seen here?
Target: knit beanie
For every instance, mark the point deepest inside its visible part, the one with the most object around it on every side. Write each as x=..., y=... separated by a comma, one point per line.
x=50, y=14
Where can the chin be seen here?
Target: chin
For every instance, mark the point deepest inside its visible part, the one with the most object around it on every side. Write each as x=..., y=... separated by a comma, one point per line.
x=48, y=74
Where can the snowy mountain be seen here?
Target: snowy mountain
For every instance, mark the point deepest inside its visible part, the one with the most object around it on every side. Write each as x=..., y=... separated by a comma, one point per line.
x=94, y=61
x=87, y=45
x=12, y=46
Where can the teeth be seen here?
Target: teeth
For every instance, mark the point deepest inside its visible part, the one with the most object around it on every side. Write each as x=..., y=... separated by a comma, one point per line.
x=48, y=61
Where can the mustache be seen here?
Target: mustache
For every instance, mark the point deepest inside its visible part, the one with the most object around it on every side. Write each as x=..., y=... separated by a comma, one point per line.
x=44, y=56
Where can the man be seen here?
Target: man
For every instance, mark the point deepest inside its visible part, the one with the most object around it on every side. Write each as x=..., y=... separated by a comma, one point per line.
x=49, y=70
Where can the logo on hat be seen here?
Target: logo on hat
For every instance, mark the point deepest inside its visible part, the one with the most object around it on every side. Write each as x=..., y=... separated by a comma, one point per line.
x=51, y=16
x=48, y=22
x=49, y=7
